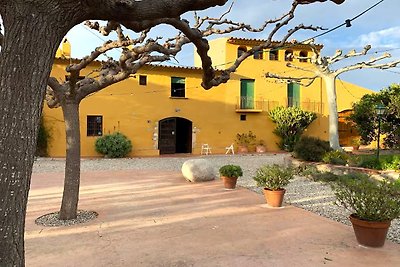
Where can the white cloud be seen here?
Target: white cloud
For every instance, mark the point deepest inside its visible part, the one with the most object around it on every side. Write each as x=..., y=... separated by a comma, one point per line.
x=388, y=38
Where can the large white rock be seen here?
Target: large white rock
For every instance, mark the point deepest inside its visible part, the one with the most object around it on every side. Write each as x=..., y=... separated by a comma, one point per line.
x=198, y=170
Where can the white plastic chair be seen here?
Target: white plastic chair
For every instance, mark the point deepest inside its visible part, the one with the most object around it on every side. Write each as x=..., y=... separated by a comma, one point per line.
x=205, y=149
x=230, y=149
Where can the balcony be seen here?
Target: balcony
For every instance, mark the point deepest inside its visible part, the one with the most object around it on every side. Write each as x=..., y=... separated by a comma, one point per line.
x=309, y=105
x=250, y=104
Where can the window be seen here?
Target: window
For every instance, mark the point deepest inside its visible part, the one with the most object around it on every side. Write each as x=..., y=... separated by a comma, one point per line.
x=273, y=55
x=289, y=55
x=241, y=50
x=246, y=94
x=94, y=125
x=303, y=56
x=293, y=93
x=258, y=55
x=142, y=80
x=177, y=87
x=243, y=117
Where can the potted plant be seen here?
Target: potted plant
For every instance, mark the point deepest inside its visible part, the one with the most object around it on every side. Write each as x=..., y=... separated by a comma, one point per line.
x=273, y=178
x=244, y=141
x=374, y=204
x=260, y=146
x=229, y=174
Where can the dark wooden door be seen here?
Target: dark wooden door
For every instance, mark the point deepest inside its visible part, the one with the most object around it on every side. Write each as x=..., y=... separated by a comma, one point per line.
x=167, y=136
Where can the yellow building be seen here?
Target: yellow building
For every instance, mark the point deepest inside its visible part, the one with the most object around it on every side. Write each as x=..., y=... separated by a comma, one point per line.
x=164, y=110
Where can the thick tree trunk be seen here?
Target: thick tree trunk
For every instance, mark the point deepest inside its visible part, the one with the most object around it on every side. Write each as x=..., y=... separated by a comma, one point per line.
x=333, y=113
x=29, y=44
x=70, y=198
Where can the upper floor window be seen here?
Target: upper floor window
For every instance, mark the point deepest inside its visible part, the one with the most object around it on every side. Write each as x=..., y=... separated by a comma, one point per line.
x=303, y=56
x=241, y=50
x=177, y=87
x=95, y=125
x=289, y=55
x=142, y=80
x=293, y=95
x=273, y=55
x=258, y=55
x=247, y=94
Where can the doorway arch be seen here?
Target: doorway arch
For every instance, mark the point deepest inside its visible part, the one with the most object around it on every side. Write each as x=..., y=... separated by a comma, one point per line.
x=175, y=135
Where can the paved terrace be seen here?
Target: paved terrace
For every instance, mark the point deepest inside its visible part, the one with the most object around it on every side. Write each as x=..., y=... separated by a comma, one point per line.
x=156, y=218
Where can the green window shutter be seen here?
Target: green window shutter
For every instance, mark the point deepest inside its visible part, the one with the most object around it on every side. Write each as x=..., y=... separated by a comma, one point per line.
x=293, y=93
x=246, y=94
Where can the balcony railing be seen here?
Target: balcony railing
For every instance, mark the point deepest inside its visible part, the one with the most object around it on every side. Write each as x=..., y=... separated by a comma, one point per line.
x=313, y=106
x=270, y=105
x=309, y=105
x=251, y=104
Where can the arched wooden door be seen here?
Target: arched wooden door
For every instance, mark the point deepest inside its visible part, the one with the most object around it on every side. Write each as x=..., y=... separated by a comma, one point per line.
x=175, y=135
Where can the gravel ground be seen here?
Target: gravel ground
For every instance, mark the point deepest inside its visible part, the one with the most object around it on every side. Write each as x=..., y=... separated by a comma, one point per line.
x=53, y=219
x=301, y=192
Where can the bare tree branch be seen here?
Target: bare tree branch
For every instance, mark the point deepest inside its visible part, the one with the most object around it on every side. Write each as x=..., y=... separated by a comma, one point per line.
x=53, y=93
x=370, y=65
x=104, y=30
x=322, y=69
x=122, y=41
x=1, y=36
x=209, y=77
x=143, y=50
x=140, y=11
x=291, y=79
x=290, y=65
x=313, y=1
x=338, y=55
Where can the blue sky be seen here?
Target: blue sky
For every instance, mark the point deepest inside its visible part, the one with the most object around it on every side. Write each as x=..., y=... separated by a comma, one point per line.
x=379, y=27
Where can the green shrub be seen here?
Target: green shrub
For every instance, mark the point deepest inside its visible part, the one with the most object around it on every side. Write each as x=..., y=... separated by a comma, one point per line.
x=369, y=199
x=290, y=124
x=311, y=148
x=114, y=145
x=42, y=140
x=306, y=170
x=231, y=171
x=366, y=121
x=391, y=162
x=370, y=162
x=326, y=177
x=336, y=157
x=386, y=162
x=273, y=177
x=354, y=160
x=312, y=172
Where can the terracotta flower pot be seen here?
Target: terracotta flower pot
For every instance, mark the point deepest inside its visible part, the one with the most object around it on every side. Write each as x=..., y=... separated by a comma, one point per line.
x=370, y=234
x=242, y=149
x=261, y=149
x=229, y=182
x=274, y=198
